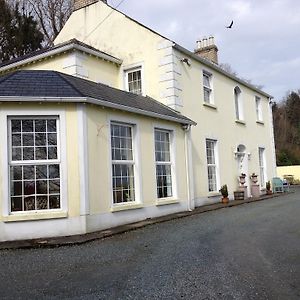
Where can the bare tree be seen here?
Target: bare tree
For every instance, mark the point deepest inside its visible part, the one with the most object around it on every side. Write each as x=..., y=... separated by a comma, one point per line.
x=51, y=15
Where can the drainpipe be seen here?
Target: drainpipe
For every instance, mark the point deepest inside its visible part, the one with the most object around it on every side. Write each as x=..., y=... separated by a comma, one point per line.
x=189, y=167
x=272, y=138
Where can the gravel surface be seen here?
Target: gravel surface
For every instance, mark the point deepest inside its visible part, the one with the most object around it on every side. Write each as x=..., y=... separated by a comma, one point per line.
x=250, y=251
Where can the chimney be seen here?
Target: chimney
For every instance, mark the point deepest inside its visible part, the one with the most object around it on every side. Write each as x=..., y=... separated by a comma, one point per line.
x=78, y=4
x=206, y=48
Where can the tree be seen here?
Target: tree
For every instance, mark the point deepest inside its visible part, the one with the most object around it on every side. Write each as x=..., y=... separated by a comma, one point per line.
x=51, y=15
x=19, y=34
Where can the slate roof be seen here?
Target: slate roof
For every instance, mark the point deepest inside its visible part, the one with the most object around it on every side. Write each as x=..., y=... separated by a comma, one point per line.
x=38, y=85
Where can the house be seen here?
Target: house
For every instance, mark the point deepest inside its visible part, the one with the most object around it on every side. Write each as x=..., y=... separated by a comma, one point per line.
x=233, y=135
x=78, y=156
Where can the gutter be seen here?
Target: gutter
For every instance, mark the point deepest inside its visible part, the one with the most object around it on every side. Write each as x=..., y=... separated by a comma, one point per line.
x=99, y=103
x=218, y=69
x=59, y=50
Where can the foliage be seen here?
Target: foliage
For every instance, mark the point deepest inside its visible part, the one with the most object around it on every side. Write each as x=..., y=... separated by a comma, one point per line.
x=224, y=191
x=19, y=34
x=50, y=15
x=286, y=117
x=268, y=185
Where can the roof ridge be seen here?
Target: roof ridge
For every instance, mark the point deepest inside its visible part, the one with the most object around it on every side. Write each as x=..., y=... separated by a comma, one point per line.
x=62, y=76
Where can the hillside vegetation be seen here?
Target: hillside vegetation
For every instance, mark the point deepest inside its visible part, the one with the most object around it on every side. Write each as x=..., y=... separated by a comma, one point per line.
x=286, y=116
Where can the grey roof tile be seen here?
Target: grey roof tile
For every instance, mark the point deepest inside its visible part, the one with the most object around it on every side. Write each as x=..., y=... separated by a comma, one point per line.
x=37, y=83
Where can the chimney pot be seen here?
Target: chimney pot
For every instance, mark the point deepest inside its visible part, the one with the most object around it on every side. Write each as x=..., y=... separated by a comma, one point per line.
x=207, y=49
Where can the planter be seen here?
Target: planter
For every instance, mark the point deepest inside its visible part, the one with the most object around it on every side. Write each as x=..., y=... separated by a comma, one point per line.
x=239, y=195
x=242, y=180
x=225, y=200
x=269, y=192
x=254, y=179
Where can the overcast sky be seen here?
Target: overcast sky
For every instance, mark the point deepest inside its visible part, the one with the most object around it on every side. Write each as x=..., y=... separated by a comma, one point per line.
x=263, y=45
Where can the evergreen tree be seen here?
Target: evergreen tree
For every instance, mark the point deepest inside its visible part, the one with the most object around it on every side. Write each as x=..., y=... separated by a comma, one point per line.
x=19, y=34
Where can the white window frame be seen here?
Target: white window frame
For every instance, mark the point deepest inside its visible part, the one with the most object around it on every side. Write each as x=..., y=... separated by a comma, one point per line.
x=238, y=104
x=133, y=68
x=136, y=155
x=27, y=112
x=258, y=107
x=215, y=165
x=262, y=166
x=171, y=162
x=209, y=88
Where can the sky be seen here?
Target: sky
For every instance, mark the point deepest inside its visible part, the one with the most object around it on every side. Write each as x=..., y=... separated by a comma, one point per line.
x=263, y=44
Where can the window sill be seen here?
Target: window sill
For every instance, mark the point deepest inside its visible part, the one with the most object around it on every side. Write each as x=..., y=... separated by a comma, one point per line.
x=210, y=105
x=166, y=201
x=260, y=122
x=240, y=122
x=126, y=206
x=34, y=216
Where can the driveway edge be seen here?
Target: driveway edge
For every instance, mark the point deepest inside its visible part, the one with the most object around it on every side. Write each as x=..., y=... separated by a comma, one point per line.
x=88, y=237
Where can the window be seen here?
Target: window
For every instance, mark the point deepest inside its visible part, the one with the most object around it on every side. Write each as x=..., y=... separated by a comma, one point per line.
x=211, y=146
x=134, y=80
x=238, y=104
x=34, y=164
x=123, y=163
x=163, y=163
x=258, y=109
x=262, y=167
x=207, y=87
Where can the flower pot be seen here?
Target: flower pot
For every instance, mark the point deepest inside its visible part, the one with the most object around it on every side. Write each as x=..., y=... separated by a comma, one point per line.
x=225, y=200
x=254, y=179
x=269, y=192
x=242, y=180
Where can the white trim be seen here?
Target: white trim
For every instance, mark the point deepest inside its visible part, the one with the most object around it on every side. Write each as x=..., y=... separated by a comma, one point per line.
x=61, y=50
x=96, y=102
x=173, y=159
x=217, y=164
x=136, y=158
x=27, y=112
x=211, y=88
x=132, y=68
x=83, y=159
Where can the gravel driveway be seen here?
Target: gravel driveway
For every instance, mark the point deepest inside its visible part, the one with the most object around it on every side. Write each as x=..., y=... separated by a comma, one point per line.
x=250, y=251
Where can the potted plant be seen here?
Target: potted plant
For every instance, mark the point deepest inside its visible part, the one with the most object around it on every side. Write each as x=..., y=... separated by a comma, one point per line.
x=254, y=178
x=242, y=179
x=268, y=188
x=224, y=192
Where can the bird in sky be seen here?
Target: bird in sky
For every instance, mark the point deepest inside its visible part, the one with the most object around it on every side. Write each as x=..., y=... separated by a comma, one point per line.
x=230, y=26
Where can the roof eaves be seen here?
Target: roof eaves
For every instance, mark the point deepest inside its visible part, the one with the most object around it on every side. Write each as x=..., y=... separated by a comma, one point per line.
x=220, y=70
x=60, y=49
x=96, y=102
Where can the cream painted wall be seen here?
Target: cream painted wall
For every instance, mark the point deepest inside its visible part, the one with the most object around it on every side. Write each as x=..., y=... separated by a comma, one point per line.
x=289, y=170
x=219, y=122
x=130, y=42
x=100, y=186
x=41, y=224
x=180, y=86
x=78, y=64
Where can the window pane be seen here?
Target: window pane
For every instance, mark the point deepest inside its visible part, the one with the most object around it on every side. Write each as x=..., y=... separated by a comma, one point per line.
x=40, y=139
x=54, y=186
x=52, y=139
x=16, y=188
x=52, y=153
x=28, y=139
x=29, y=203
x=41, y=153
x=135, y=82
x=28, y=172
x=51, y=125
x=54, y=171
x=211, y=165
x=54, y=202
x=28, y=153
x=16, y=173
x=16, y=204
x=40, y=125
x=16, y=139
x=164, y=181
x=41, y=172
x=27, y=126
x=41, y=202
x=16, y=154
x=16, y=125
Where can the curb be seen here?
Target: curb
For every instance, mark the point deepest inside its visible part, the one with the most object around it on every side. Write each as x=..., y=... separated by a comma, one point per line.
x=89, y=237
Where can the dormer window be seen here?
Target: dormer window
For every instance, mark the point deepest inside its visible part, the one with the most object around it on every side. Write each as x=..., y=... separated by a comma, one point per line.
x=133, y=80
